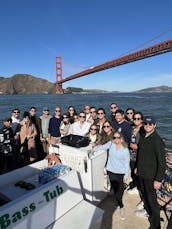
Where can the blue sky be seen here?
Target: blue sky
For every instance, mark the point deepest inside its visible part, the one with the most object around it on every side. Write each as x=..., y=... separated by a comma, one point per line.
x=86, y=33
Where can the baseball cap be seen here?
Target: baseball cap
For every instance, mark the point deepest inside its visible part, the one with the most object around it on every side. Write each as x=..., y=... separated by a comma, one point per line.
x=149, y=119
x=45, y=109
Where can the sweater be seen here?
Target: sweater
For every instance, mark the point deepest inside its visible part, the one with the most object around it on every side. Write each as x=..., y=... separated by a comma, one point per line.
x=118, y=160
x=54, y=127
x=151, y=157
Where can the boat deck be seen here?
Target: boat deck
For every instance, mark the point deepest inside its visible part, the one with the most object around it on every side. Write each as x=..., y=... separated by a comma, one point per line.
x=111, y=218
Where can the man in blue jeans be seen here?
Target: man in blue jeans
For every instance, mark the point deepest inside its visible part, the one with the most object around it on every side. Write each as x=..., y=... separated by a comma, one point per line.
x=151, y=169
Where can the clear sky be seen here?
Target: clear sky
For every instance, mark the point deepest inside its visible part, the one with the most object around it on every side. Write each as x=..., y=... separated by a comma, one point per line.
x=86, y=33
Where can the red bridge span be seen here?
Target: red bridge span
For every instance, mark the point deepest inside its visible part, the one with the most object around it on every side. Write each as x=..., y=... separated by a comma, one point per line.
x=151, y=51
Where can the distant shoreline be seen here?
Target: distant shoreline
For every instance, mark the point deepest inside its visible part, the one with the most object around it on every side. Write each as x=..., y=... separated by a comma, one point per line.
x=24, y=84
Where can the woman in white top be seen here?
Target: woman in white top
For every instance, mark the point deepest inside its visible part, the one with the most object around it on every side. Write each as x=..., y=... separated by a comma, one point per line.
x=81, y=127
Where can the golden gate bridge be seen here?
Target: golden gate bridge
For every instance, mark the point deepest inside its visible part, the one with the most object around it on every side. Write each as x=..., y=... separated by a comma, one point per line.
x=151, y=51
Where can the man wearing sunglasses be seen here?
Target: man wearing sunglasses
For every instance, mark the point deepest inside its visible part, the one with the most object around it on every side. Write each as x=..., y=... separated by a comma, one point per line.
x=151, y=169
x=15, y=119
x=15, y=125
x=54, y=127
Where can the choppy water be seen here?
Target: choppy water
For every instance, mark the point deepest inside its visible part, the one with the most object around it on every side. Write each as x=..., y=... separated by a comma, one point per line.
x=157, y=104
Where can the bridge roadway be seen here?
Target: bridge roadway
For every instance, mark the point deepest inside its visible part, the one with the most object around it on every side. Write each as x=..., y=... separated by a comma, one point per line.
x=151, y=51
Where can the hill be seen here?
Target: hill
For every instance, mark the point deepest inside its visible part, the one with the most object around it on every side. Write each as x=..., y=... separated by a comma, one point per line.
x=25, y=84
x=28, y=84
x=156, y=89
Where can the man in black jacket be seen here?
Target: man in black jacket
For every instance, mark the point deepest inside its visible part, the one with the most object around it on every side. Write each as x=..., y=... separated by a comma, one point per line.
x=7, y=159
x=151, y=169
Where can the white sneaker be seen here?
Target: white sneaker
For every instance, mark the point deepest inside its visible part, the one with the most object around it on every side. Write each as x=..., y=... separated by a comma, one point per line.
x=133, y=191
x=141, y=213
x=122, y=213
x=140, y=205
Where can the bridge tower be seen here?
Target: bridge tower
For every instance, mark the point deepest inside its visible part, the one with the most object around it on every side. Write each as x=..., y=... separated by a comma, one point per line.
x=59, y=89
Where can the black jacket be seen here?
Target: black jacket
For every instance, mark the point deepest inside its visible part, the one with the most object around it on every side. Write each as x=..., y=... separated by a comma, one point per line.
x=151, y=157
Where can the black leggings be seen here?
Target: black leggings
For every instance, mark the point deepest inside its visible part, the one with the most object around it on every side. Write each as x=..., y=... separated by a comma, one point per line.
x=117, y=185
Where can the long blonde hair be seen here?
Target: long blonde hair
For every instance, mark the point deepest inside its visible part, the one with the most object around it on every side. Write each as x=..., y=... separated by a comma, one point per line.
x=123, y=143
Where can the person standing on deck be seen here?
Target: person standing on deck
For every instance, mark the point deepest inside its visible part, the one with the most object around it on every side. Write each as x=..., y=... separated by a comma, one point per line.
x=45, y=119
x=150, y=164
x=7, y=157
x=37, y=122
x=117, y=167
x=54, y=135
x=101, y=118
x=122, y=125
x=81, y=127
x=15, y=125
x=113, y=109
x=87, y=112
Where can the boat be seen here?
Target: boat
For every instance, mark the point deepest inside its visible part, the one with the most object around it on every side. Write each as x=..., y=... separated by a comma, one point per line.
x=77, y=188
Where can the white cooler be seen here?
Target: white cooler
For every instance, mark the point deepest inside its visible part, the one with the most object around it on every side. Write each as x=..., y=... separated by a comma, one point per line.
x=90, y=169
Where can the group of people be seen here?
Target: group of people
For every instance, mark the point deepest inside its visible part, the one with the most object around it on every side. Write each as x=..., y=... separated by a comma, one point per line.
x=130, y=139
x=136, y=146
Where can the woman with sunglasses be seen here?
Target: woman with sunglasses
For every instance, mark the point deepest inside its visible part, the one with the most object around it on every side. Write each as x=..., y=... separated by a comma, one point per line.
x=71, y=112
x=93, y=134
x=65, y=125
x=81, y=127
x=129, y=114
x=101, y=118
x=137, y=130
x=28, y=133
x=117, y=167
x=106, y=133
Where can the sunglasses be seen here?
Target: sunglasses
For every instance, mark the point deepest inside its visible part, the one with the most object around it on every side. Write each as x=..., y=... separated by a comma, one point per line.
x=25, y=185
x=148, y=124
x=106, y=126
x=137, y=119
x=116, y=137
x=81, y=116
x=113, y=107
x=93, y=129
x=100, y=113
x=16, y=112
x=129, y=112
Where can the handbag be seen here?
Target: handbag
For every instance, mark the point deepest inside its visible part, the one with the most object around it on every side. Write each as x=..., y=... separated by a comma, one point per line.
x=75, y=141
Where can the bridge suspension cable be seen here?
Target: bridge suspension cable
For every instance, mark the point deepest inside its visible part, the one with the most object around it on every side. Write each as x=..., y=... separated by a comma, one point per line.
x=154, y=50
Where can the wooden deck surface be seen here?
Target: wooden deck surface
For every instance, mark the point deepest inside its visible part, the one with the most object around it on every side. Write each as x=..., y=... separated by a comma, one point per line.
x=111, y=218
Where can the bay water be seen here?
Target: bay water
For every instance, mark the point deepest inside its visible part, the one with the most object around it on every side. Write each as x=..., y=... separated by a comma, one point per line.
x=157, y=104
